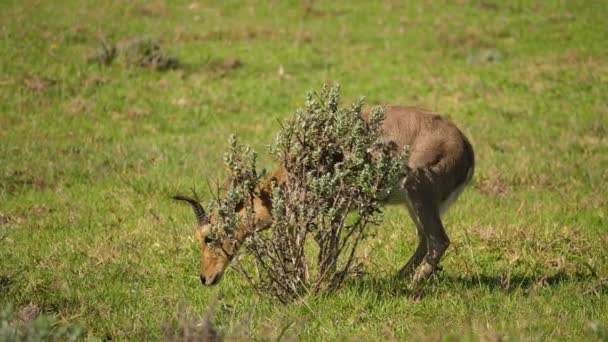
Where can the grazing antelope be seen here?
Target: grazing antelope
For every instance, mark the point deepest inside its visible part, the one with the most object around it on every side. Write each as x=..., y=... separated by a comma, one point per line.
x=440, y=164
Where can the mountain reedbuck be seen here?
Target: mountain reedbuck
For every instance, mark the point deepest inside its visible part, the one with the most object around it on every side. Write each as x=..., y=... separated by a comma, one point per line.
x=440, y=164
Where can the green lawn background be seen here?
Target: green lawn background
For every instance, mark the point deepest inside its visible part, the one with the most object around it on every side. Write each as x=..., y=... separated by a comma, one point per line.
x=90, y=154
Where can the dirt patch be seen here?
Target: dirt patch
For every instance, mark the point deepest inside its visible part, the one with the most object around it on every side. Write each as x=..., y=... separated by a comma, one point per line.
x=487, y=5
x=231, y=34
x=309, y=9
x=38, y=211
x=80, y=105
x=549, y=67
x=29, y=312
x=492, y=186
x=485, y=56
x=132, y=114
x=154, y=9
x=77, y=34
x=37, y=84
x=225, y=65
x=560, y=18
x=231, y=63
x=6, y=81
x=470, y=37
x=219, y=68
x=182, y=102
x=236, y=34
x=102, y=252
x=303, y=37
x=10, y=219
x=19, y=180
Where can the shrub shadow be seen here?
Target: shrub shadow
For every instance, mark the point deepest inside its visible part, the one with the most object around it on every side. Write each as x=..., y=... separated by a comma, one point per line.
x=505, y=283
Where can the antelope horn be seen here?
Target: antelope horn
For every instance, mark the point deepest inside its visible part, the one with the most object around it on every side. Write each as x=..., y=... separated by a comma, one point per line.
x=196, y=206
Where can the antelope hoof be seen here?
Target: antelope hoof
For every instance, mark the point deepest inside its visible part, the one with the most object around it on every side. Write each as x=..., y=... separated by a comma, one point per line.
x=423, y=272
x=405, y=272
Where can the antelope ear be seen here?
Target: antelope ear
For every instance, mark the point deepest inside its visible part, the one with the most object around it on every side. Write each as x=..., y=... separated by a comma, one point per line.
x=265, y=198
x=199, y=232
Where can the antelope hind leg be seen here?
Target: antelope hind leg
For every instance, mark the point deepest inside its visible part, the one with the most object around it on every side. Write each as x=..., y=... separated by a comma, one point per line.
x=437, y=241
x=433, y=239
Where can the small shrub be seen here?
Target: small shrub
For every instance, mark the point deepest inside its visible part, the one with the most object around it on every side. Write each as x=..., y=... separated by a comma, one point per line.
x=146, y=53
x=337, y=172
x=187, y=328
x=139, y=52
x=34, y=328
x=242, y=184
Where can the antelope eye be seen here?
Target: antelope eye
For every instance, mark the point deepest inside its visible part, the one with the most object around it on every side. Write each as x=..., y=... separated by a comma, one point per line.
x=208, y=239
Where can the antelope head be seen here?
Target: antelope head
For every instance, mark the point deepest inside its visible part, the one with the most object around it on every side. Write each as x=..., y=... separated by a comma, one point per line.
x=218, y=252
x=215, y=255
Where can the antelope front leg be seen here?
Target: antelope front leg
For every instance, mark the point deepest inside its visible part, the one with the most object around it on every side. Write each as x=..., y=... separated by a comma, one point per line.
x=421, y=250
x=416, y=259
x=433, y=239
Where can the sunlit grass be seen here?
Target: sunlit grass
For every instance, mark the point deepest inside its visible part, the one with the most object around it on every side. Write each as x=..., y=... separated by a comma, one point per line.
x=90, y=155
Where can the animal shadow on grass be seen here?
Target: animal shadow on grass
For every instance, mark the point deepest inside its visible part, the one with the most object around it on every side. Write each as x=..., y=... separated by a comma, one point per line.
x=390, y=285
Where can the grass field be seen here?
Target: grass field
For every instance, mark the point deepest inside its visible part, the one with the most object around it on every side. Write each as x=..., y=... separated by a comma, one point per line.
x=90, y=154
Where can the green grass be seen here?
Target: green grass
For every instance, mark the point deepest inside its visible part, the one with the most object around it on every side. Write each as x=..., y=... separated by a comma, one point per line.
x=89, y=156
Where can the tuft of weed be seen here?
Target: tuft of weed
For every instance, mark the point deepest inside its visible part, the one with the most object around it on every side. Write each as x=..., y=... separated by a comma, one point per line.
x=189, y=329
x=138, y=52
x=29, y=325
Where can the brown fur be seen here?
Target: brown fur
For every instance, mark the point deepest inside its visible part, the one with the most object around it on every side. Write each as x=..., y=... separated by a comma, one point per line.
x=441, y=163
